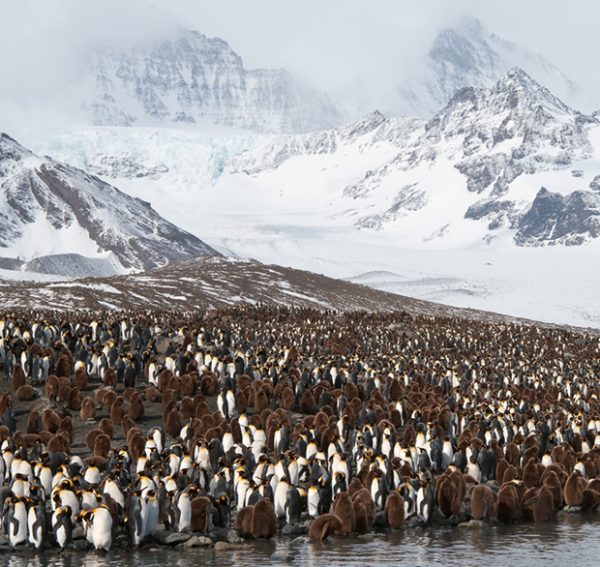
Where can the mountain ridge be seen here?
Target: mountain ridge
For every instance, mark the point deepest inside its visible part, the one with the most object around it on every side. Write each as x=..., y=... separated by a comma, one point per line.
x=47, y=208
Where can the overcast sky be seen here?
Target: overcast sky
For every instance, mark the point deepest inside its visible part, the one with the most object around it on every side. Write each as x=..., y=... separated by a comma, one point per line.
x=328, y=43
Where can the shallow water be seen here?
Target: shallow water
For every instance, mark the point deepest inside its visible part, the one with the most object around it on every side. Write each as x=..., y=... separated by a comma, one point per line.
x=572, y=541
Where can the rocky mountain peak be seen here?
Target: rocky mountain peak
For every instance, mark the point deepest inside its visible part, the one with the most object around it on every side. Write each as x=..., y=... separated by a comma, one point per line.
x=195, y=79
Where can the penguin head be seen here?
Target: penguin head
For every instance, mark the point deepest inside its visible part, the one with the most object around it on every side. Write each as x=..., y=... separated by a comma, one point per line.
x=63, y=511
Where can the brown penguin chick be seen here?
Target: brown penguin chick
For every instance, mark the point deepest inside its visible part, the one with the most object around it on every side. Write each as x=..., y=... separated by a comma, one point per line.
x=18, y=377
x=209, y=385
x=128, y=393
x=45, y=435
x=63, y=365
x=558, y=454
x=188, y=385
x=64, y=393
x=243, y=521
x=543, y=508
x=569, y=460
x=364, y=510
x=594, y=484
x=136, y=410
x=201, y=514
x=361, y=522
x=117, y=411
x=323, y=526
x=186, y=407
x=110, y=378
x=25, y=393
x=590, y=500
x=153, y=395
x=102, y=445
x=175, y=385
x=512, y=454
x=4, y=433
x=287, y=399
x=527, y=503
x=80, y=379
x=57, y=444
x=573, y=490
x=66, y=428
x=163, y=379
x=109, y=398
x=173, y=423
x=131, y=433
x=50, y=420
x=264, y=521
x=106, y=426
x=355, y=486
x=88, y=409
x=52, y=385
x=449, y=499
x=126, y=425
x=531, y=478
x=591, y=467
x=5, y=402
x=100, y=462
x=241, y=402
x=213, y=433
x=208, y=421
x=507, y=507
x=201, y=410
x=308, y=404
x=74, y=402
x=261, y=401
x=169, y=398
x=551, y=480
x=90, y=438
x=483, y=502
x=136, y=447
x=343, y=509
x=511, y=473
x=394, y=510
x=26, y=439
x=34, y=422
x=321, y=421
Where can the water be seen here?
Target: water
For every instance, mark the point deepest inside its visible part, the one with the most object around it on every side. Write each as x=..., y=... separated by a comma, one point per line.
x=572, y=541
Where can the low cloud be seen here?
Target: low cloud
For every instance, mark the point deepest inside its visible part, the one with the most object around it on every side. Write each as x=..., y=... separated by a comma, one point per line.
x=361, y=49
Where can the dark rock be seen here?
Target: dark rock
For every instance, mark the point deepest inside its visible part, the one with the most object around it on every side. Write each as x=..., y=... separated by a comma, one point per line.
x=165, y=537
x=294, y=530
x=557, y=219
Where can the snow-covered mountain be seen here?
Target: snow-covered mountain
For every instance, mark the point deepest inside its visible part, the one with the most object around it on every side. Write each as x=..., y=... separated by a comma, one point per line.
x=196, y=80
x=58, y=219
x=475, y=171
x=373, y=130
x=468, y=55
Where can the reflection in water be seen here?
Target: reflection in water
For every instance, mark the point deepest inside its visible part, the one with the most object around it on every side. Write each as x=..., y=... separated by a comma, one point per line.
x=566, y=541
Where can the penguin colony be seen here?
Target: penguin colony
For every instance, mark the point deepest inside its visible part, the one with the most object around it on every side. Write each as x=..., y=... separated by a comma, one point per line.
x=289, y=420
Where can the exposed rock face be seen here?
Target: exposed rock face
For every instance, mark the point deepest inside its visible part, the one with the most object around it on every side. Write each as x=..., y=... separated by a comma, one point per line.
x=49, y=208
x=194, y=79
x=558, y=219
x=128, y=166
